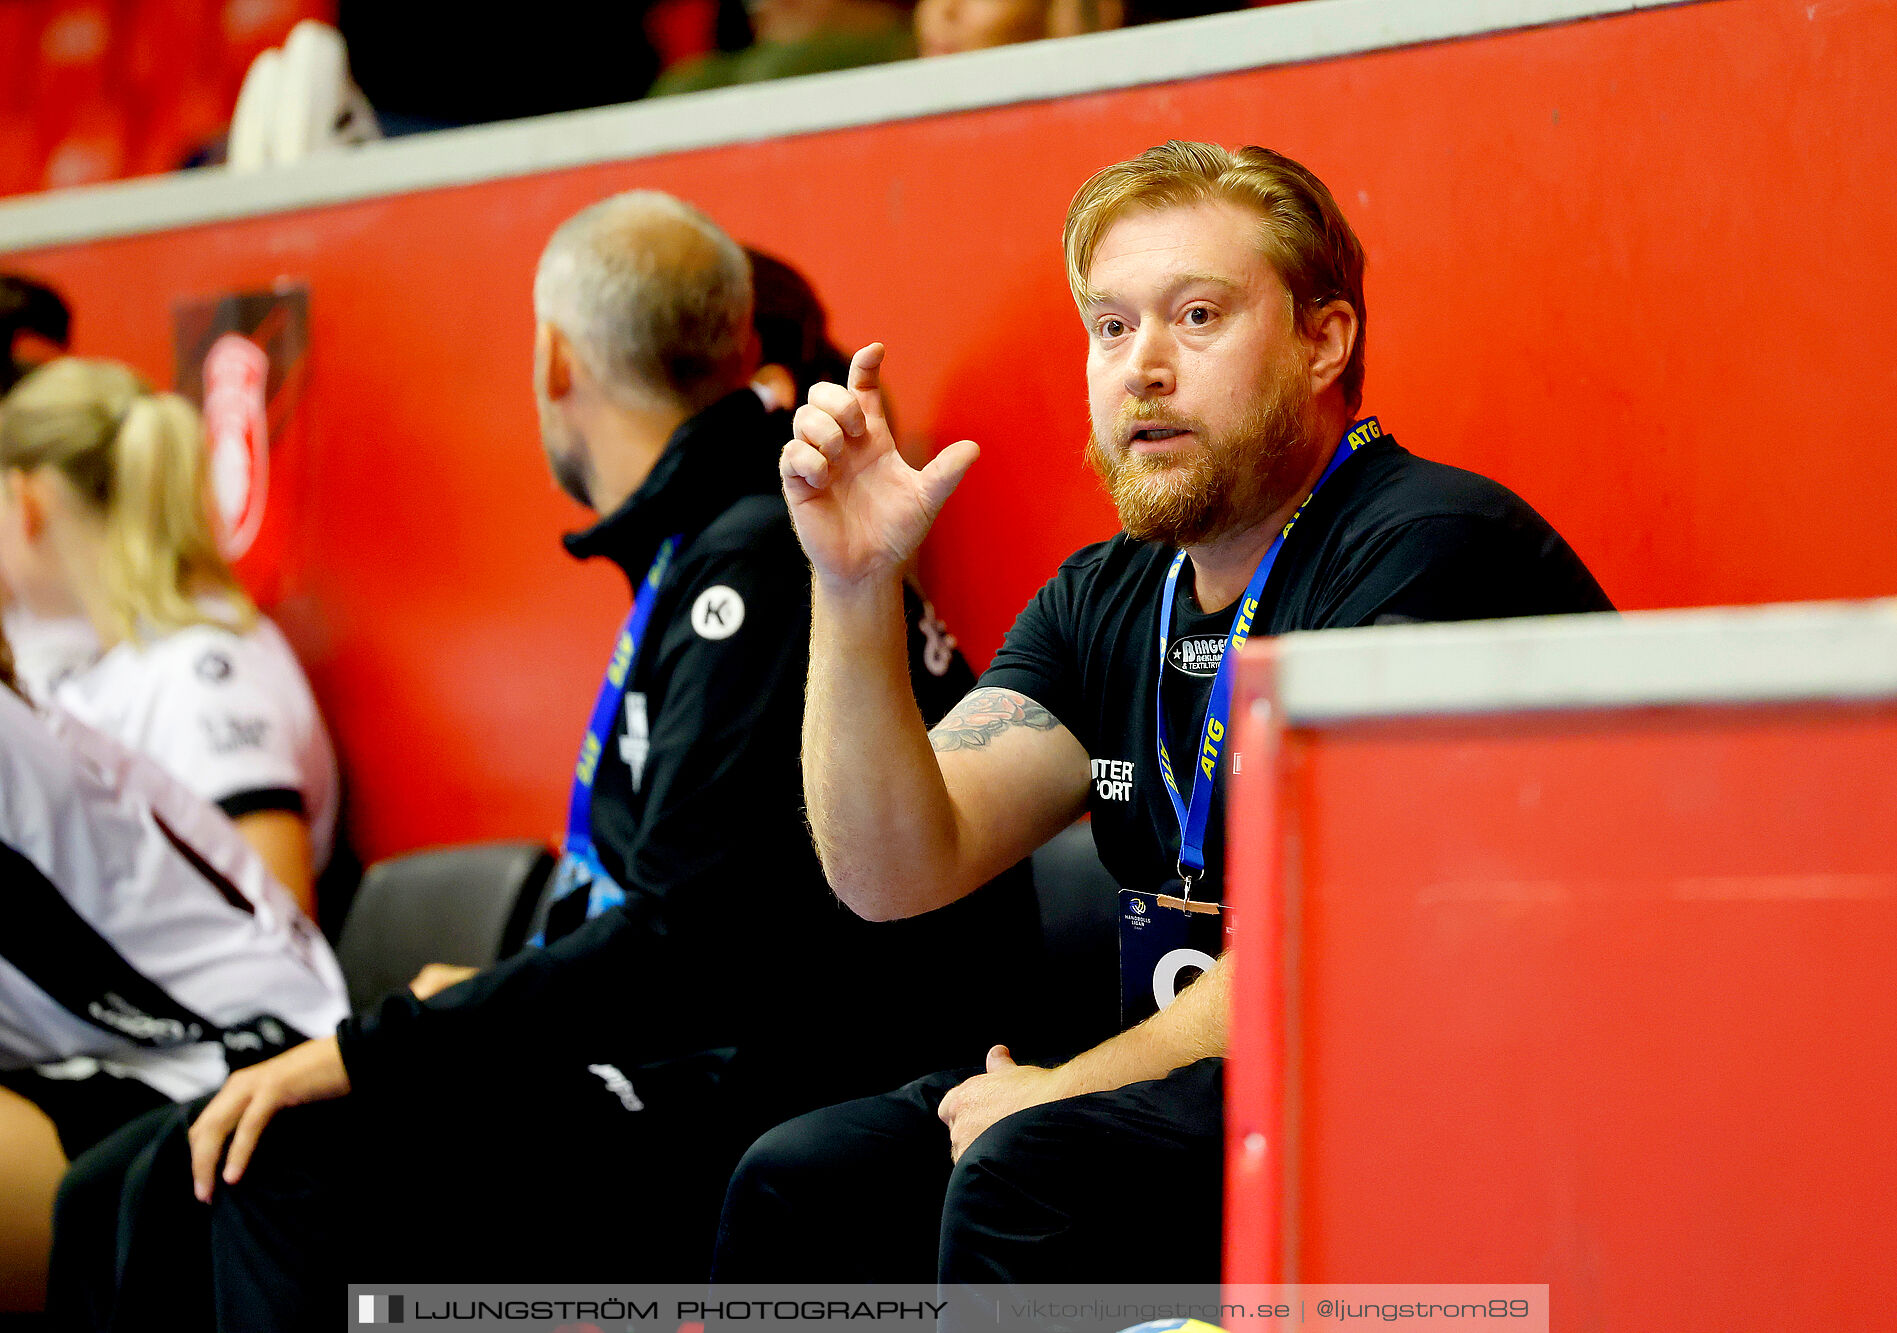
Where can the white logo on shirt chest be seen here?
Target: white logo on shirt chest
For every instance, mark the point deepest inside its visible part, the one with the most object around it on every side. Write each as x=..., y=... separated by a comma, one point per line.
x=636, y=743
x=1113, y=779
x=1198, y=655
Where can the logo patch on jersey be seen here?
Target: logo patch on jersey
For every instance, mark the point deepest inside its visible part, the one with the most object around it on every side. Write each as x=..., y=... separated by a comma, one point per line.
x=636, y=743
x=228, y=735
x=717, y=613
x=1113, y=779
x=938, y=645
x=127, y=1019
x=1197, y=654
x=619, y=1085
x=214, y=667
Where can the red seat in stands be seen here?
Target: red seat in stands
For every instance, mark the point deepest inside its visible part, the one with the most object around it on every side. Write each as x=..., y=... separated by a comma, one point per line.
x=74, y=55
x=682, y=29
x=19, y=153
x=92, y=148
x=19, y=59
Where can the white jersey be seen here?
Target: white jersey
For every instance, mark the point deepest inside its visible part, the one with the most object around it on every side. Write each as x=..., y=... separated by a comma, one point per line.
x=230, y=715
x=48, y=650
x=137, y=928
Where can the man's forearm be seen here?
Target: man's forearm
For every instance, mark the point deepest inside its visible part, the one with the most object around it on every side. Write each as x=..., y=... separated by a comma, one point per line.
x=1191, y=1028
x=882, y=818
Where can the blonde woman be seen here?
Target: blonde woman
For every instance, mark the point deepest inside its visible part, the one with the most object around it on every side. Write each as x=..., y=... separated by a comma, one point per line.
x=103, y=513
x=144, y=954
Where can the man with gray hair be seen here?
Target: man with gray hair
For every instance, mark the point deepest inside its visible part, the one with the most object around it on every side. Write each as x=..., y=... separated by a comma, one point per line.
x=575, y=1109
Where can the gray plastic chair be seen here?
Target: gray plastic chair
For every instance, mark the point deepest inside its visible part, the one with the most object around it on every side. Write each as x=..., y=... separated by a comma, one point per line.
x=471, y=905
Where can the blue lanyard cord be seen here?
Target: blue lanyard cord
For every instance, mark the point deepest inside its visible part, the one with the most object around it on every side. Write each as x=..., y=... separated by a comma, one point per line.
x=1193, y=817
x=579, y=812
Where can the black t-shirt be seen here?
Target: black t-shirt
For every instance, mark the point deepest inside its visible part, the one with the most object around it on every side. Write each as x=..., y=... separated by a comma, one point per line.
x=1390, y=538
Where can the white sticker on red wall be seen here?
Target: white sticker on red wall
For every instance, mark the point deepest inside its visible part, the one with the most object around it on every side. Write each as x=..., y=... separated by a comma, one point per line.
x=236, y=372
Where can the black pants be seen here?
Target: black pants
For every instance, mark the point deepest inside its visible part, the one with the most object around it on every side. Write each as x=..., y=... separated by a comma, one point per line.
x=865, y=1191
x=541, y=1182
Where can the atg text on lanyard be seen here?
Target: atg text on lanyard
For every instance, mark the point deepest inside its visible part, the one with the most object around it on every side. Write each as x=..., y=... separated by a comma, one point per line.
x=580, y=870
x=1194, y=815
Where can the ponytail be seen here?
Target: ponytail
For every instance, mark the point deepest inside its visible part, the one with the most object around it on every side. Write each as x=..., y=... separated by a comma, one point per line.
x=160, y=552
x=138, y=458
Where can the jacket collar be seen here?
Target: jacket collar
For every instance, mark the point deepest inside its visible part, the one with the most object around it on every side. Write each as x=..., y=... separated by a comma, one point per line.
x=726, y=452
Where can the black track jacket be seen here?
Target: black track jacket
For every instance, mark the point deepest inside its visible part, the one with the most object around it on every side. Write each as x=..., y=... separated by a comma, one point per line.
x=729, y=937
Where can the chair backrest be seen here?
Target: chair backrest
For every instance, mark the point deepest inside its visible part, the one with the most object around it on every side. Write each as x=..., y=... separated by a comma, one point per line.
x=469, y=905
x=1079, y=904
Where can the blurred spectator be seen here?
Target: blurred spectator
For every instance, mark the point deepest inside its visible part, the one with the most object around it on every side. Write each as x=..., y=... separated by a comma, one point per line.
x=35, y=326
x=793, y=330
x=425, y=64
x=299, y=99
x=104, y=512
x=802, y=37
x=945, y=27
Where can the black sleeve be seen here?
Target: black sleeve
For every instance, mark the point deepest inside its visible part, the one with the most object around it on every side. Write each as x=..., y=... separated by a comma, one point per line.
x=238, y=804
x=1037, y=657
x=716, y=858
x=539, y=1007
x=722, y=792
x=1460, y=567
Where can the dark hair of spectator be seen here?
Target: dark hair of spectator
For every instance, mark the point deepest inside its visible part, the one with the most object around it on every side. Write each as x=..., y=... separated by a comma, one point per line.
x=27, y=306
x=1160, y=11
x=792, y=326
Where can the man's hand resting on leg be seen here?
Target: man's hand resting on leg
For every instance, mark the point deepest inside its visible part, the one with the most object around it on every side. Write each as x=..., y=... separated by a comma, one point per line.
x=312, y=1072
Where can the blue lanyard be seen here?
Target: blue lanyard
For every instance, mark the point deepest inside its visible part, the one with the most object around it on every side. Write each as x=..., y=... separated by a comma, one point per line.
x=1193, y=817
x=579, y=811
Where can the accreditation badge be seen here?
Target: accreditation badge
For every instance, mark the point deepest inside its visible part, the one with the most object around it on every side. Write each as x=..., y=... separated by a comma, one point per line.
x=1165, y=942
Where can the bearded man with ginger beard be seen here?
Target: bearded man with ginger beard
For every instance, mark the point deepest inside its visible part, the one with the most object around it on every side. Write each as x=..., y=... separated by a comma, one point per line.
x=1223, y=297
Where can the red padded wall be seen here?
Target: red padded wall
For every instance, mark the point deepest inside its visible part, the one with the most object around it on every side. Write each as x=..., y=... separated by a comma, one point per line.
x=1636, y=267
x=1598, y=1000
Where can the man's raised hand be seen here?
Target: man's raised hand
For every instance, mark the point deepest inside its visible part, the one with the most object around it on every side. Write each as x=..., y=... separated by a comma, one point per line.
x=860, y=510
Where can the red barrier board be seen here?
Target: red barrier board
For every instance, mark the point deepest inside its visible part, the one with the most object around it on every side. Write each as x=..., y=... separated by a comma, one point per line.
x=1598, y=997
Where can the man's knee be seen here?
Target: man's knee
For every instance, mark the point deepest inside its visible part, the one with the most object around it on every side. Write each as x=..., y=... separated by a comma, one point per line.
x=89, y=1195
x=1032, y=1196
x=1025, y=1155
x=769, y=1204
x=784, y=1160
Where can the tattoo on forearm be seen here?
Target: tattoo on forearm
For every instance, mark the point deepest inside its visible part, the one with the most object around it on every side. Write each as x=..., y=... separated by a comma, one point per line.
x=984, y=715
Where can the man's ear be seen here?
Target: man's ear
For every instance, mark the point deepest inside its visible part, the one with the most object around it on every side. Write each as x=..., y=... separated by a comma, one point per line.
x=776, y=387
x=553, y=361
x=1330, y=332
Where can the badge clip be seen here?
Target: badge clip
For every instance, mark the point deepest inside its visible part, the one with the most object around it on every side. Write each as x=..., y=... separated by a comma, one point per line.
x=1186, y=878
